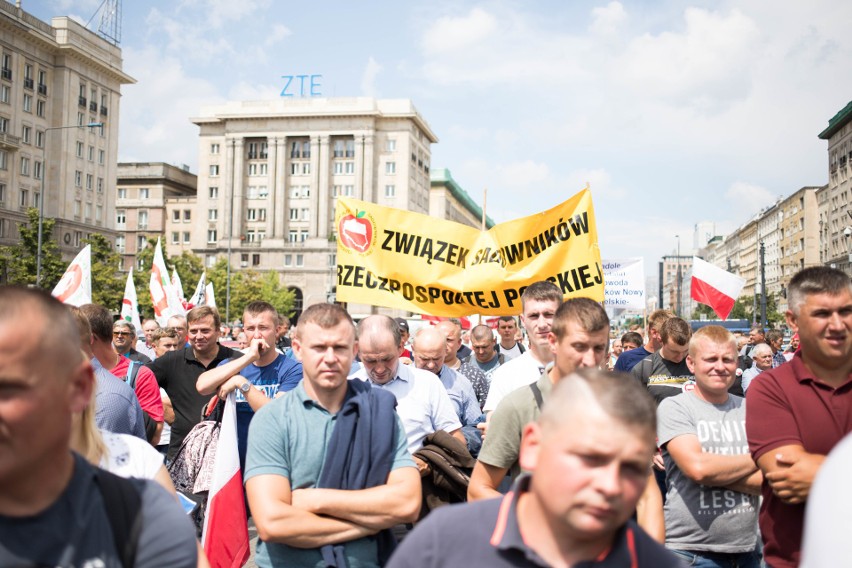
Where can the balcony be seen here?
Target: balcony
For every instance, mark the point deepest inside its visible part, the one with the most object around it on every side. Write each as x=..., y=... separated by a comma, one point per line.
x=9, y=142
x=103, y=110
x=81, y=101
x=28, y=83
x=93, y=106
x=42, y=89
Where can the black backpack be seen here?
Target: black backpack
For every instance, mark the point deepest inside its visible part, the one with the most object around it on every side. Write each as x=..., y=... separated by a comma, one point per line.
x=124, y=510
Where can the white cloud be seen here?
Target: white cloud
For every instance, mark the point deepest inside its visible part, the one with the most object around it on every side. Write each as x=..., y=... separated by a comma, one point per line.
x=748, y=198
x=279, y=32
x=608, y=20
x=368, y=78
x=216, y=13
x=449, y=34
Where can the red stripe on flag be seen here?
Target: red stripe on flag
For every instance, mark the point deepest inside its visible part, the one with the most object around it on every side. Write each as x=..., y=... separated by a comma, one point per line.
x=227, y=542
x=721, y=303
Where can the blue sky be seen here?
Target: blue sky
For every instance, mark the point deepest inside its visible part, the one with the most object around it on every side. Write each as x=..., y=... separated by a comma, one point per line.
x=673, y=112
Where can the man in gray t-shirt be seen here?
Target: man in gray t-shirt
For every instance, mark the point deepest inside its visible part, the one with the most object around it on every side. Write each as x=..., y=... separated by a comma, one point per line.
x=712, y=482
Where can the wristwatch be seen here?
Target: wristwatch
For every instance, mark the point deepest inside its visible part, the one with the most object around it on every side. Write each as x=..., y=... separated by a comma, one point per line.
x=244, y=388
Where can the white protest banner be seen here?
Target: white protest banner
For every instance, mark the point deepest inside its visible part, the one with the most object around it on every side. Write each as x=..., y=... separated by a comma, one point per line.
x=624, y=284
x=75, y=287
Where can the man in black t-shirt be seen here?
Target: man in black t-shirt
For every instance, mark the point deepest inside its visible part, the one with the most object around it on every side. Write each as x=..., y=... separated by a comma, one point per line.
x=665, y=372
x=177, y=372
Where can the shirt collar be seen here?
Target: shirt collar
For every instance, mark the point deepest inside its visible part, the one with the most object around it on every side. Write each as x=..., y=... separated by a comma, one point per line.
x=507, y=534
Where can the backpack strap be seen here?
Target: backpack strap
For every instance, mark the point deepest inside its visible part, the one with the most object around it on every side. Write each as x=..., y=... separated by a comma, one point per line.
x=539, y=400
x=132, y=373
x=123, y=506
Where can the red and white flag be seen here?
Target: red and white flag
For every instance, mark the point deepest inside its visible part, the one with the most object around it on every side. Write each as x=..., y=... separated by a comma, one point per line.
x=163, y=295
x=225, y=537
x=75, y=287
x=130, y=304
x=177, y=284
x=715, y=287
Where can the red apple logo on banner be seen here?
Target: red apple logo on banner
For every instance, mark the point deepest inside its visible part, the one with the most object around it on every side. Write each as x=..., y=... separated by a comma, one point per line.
x=70, y=283
x=356, y=231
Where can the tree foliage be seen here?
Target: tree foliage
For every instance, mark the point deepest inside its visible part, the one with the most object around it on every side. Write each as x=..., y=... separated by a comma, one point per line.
x=107, y=281
x=19, y=261
x=247, y=286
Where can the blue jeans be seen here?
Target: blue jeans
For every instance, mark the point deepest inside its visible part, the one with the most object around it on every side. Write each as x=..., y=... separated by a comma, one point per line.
x=705, y=559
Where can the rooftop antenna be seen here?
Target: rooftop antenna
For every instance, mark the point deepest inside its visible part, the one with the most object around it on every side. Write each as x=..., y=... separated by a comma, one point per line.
x=109, y=27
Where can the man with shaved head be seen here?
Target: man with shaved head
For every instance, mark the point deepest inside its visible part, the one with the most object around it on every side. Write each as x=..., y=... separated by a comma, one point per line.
x=485, y=355
x=480, y=382
x=588, y=456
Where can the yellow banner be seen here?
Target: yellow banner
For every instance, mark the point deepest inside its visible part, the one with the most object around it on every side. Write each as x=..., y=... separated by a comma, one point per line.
x=398, y=259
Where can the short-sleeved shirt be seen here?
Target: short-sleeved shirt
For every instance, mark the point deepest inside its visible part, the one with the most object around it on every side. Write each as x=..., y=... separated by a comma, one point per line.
x=628, y=359
x=502, y=445
x=480, y=382
x=517, y=373
x=75, y=530
x=461, y=394
x=422, y=403
x=177, y=373
x=509, y=354
x=289, y=437
x=128, y=456
x=281, y=375
x=662, y=378
x=701, y=517
x=147, y=389
x=788, y=405
x=116, y=406
x=488, y=533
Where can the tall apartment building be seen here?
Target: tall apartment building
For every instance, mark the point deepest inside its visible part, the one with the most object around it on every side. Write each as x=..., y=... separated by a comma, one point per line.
x=270, y=173
x=835, y=214
x=142, y=189
x=55, y=79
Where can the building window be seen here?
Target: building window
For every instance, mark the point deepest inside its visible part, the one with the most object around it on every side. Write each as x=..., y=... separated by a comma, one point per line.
x=40, y=108
x=175, y=238
x=288, y=260
x=294, y=214
x=25, y=166
x=91, y=154
x=99, y=213
x=88, y=211
x=100, y=185
x=186, y=237
x=390, y=145
x=119, y=243
x=4, y=125
x=81, y=119
x=25, y=197
x=78, y=178
x=79, y=149
x=305, y=213
x=210, y=259
x=214, y=170
x=39, y=140
x=141, y=241
x=212, y=214
x=390, y=190
x=303, y=236
x=332, y=259
x=338, y=167
x=2, y=193
x=300, y=260
x=4, y=160
x=294, y=192
x=187, y=215
x=120, y=217
x=101, y=156
x=5, y=94
x=211, y=236
x=37, y=167
x=306, y=191
x=77, y=206
x=213, y=192
x=293, y=237
x=36, y=198
x=390, y=167
x=90, y=182
x=26, y=134
x=214, y=148
x=143, y=219
x=255, y=260
x=176, y=216
x=28, y=103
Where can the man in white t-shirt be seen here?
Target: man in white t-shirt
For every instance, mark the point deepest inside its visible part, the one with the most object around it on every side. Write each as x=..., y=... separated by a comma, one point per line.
x=540, y=301
x=509, y=347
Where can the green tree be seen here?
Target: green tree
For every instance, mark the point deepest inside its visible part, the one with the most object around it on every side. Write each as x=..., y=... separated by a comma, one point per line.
x=704, y=310
x=189, y=267
x=247, y=286
x=107, y=282
x=19, y=261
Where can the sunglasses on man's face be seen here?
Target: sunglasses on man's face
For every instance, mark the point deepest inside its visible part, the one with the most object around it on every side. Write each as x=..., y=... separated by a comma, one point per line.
x=121, y=334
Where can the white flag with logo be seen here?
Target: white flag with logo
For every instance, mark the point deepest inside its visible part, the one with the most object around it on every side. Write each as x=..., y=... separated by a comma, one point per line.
x=163, y=296
x=177, y=284
x=198, y=298
x=211, y=297
x=75, y=287
x=130, y=304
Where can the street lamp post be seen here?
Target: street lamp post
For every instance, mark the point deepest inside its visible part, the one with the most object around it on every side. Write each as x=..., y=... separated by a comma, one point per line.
x=679, y=276
x=42, y=198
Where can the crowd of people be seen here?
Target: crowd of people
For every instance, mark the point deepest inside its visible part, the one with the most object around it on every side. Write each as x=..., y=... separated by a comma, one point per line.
x=363, y=445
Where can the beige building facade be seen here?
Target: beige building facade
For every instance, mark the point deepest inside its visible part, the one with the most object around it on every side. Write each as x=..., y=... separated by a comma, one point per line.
x=142, y=190
x=55, y=80
x=270, y=173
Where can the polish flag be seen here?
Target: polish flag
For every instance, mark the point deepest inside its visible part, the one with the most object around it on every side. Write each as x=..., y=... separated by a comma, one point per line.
x=715, y=287
x=75, y=287
x=225, y=537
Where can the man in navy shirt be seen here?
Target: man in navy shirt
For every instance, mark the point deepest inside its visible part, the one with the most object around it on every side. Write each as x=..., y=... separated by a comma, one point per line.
x=259, y=375
x=589, y=456
x=628, y=359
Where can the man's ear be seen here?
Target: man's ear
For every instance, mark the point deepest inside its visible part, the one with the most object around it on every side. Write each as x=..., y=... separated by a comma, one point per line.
x=81, y=387
x=530, y=447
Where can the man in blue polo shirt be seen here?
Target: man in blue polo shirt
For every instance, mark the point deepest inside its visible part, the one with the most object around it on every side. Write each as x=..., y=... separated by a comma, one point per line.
x=589, y=455
x=259, y=375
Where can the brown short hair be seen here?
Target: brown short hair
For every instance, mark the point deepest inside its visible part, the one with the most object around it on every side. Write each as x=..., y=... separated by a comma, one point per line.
x=677, y=330
x=100, y=320
x=816, y=280
x=202, y=312
x=82, y=326
x=18, y=303
x=541, y=291
x=631, y=337
x=170, y=332
x=481, y=332
x=588, y=313
x=326, y=316
x=658, y=318
x=258, y=307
